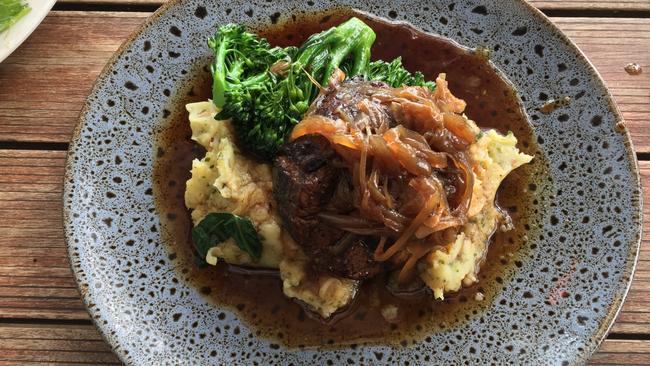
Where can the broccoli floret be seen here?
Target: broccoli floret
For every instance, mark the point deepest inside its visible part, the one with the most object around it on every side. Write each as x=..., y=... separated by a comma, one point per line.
x=266, y=90
x=394, y=74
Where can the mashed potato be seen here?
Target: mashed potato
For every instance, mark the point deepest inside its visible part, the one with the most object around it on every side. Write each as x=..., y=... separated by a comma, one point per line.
x=493, y=157
x=323, y=293
x=225, y=180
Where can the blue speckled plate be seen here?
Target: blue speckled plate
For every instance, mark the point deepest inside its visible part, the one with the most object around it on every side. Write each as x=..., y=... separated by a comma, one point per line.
x=556, y=305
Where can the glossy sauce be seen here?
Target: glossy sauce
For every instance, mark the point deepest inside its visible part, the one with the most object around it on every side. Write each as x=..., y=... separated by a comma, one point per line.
x=258, y=297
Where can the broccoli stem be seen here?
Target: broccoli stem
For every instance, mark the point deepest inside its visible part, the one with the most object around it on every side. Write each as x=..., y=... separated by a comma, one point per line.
x=352, y=38
x=362, y=54
x=219, y=85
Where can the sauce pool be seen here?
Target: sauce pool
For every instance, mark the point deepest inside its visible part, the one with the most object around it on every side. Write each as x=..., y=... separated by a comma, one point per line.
x=257, y=296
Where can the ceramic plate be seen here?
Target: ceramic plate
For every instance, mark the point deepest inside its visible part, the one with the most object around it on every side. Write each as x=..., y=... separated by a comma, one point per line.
x=556, y=298
x=18, y=33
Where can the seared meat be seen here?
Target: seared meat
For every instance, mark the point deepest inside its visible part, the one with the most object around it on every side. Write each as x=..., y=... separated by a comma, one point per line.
x=405, y=149
x=306, y=181
x=351, y=101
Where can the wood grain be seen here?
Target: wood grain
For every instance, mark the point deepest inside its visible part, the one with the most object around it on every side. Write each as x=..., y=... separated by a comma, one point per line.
x=627, y=5
x=622, y=352
x=49, y=77
x=578, y=5
x=22, y=344
x=77, y=344
x=35, y=279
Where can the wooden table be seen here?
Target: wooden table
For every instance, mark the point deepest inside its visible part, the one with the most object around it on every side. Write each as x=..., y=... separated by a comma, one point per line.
x=43, y=86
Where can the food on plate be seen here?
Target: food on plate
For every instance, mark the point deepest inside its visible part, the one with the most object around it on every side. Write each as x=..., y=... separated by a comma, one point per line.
x=266, y=90
x=335, y=170
x=11, y=11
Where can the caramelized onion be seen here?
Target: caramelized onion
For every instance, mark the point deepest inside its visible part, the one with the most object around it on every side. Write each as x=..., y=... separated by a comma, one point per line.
x=399, y=244
x=406, y=151
x=315, y=123
x=457, y=125
x=416, y=251
x=460, y=160
x=355, y=225
x=383, y=155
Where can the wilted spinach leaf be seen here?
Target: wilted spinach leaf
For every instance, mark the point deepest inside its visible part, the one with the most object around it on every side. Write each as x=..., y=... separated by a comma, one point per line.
x=218, y=227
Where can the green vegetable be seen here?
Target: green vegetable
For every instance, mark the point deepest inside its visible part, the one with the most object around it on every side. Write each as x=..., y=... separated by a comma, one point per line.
x=394, y=74
x=11, y=11
x=265, y=91
x=218, y=227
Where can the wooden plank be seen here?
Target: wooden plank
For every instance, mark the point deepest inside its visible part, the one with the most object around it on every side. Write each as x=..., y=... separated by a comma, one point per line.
x=627, y=5
x=68, y=344
x=53, y=344
x=610, y=44
x=35, y=277
x=582, y=5
x=37, y=286
x=622, y=352
x=50, y=75
x=69, y=66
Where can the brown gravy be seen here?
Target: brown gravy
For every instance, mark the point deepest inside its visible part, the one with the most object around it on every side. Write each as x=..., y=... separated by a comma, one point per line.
x=258, y=297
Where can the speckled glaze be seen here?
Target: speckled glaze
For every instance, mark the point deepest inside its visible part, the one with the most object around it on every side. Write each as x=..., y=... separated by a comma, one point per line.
x=582, y=244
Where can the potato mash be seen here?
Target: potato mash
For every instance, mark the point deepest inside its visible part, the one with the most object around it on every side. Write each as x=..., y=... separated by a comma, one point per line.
x=225, y=180
x=493, y=156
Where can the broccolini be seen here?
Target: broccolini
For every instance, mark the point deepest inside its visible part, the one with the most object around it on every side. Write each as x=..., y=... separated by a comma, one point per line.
x=266, y=90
